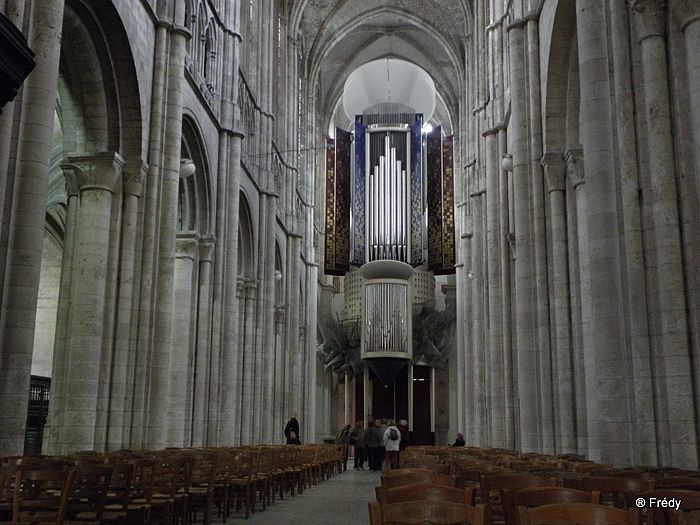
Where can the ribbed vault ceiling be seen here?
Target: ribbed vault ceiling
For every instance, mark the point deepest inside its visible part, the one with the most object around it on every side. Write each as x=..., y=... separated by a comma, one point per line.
x=339, y=36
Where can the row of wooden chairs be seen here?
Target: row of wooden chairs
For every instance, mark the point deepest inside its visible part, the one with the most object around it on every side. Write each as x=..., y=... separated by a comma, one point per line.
x=167, y=487
x=504, y=482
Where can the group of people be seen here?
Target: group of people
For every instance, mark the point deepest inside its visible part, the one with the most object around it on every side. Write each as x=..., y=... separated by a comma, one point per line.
x=375, y=445
x=380, y=442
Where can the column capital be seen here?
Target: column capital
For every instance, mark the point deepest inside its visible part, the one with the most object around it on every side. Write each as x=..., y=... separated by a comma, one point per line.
x=574, y=166
x=186, y=245
x=685, y=12
x=98, y=171
x=554, y=167
x=206, y=248
x=650, y=16
x=133, y=175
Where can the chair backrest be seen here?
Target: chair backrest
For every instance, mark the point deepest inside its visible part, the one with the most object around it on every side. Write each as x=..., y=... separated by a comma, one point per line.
x=396, y=479
x=618, y=490
x=120, y=483
x=41, y=494
x=576, y=514
x=88, y=490
x=426, y=513
x=670, y=506
x=539, y=496
x=676, y=482
x=424, y=492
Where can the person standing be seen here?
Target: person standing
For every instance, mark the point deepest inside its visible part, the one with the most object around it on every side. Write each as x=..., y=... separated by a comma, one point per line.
x=373, y=441
x=392, y=443
x=357, y=440
x=341, y=438
x=292, y=426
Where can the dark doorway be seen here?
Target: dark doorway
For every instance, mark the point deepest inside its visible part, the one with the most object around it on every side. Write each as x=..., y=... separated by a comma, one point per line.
x=39, y=390
x=422, y=434
x=390, y=402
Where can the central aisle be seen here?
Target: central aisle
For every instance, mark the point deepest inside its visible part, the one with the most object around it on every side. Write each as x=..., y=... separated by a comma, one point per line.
x=341, y=500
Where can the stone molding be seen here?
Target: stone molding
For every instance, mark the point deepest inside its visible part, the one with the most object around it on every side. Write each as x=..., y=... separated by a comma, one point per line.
x=685, y=12
x=554, y=168
x=186, y=246
x=651, y=17
x=99, y=171
x=133, y=175
x=575, y=167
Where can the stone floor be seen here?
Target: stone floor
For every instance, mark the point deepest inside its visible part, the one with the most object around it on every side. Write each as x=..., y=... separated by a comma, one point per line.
x=341, y=500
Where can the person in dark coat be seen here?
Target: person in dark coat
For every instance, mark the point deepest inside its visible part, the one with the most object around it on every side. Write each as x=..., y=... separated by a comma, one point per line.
x=459, y=441
x=375, y=449
x=292, y=426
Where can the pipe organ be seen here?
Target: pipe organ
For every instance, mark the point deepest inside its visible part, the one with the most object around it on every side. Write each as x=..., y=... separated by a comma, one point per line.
x=389, y=210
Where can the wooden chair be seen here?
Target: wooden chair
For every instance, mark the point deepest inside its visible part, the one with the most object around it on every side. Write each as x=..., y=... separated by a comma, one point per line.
x=576, y=514
x=398, y=477
x=7, y=490
x=689, y=482
x=424, y=492
x=117, y=501
x=201, y=487
x=40, y=495
x=538, y=496
x=243, y=478
x=88, y=494
x=426, y=513
x=140, y=493
x=687, y=514
x=492, y=486
x=618, y=491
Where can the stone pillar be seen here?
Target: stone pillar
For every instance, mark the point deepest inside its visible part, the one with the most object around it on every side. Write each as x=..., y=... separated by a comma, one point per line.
x=480, y=360
x=171, y=98
x=181, y=378
x=585, y=375
x=248, y=358
x=687, y=14
x=22, y=230
x=573, y=197
x=607, y=334
x=675, y=411
x=645, y=450
x=495, y=320
x=562, y=365
x=133, y=177
x=203, y=362
x=527, y=397
x=543, y=350
x=74, y=427
x=231, y=341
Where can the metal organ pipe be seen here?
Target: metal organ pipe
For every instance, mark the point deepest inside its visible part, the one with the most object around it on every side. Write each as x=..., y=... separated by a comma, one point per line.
x=389, y=196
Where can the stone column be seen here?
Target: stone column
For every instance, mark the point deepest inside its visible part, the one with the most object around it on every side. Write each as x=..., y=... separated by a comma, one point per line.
x=687, y=14
x=133, y=177
x=248, y=360
x=75, y=426
x=203, y=363
x=180, y=378
x=527, y=394
x=635, y=260
x=562, y=366
x=171, y=98
x=543, y=351
x=585, y=376
x=495, y=320
x=22, y=231
x=607, y=333
x=675, y=411
x=480, y=360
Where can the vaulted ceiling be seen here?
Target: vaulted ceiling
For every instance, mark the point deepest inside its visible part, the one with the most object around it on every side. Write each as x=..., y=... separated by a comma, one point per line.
x=339, y=36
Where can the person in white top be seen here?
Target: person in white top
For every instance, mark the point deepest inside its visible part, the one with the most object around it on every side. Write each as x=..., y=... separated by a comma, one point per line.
x=392, y=442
